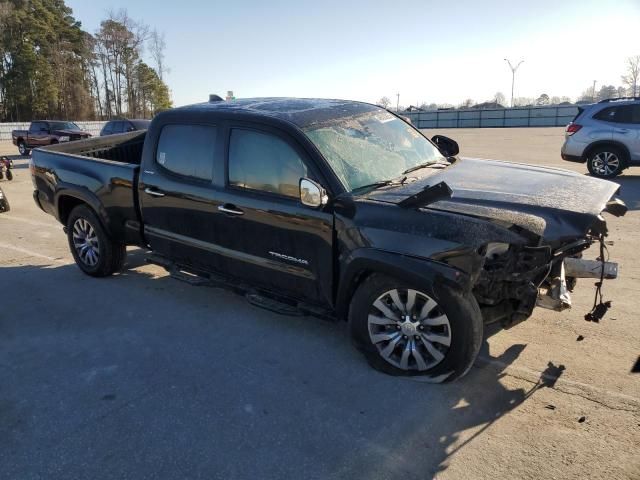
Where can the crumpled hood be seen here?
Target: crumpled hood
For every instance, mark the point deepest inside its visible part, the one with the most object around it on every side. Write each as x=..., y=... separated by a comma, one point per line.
x=549, y=202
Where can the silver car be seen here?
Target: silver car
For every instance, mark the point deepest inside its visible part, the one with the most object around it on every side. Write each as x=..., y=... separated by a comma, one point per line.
x=606, y=135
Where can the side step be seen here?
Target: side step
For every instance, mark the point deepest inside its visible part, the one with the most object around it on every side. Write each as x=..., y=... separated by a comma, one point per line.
x=255, y=298
x=273, y=305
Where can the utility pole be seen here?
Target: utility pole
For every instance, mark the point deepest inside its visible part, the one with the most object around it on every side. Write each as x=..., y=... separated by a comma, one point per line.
x=593, y=95
x=397, y=102
x=513, y=76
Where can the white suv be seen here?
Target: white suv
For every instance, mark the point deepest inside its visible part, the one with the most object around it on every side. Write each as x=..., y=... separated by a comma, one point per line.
x=606, y=135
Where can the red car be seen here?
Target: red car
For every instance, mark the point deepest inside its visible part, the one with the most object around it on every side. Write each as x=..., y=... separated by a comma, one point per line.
x=46, y=132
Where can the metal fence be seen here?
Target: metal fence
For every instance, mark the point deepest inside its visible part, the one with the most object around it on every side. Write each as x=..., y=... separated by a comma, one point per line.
x=503, y=117
x=5, y=128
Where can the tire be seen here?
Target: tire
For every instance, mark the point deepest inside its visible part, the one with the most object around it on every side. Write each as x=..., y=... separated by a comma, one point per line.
x=95, y=253
x=451, y=317
x=606, y=161
x=9, y=175
x=4, y=202
x=22, y=148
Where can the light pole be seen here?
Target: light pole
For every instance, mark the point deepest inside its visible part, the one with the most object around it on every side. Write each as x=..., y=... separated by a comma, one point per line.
x=397, y=102
x=513, y=76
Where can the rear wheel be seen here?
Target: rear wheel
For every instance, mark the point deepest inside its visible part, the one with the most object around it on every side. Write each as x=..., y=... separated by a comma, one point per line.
x=93, y=250
x=22, y=148
x=403, y=329
x=606, y=162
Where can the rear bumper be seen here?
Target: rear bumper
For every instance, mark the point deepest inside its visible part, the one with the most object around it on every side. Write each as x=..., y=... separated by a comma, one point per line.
x=572, y=158
x=36, y=198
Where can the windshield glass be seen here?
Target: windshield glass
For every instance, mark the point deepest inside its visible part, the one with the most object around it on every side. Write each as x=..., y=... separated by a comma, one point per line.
x=64, y=126
x=371, y=147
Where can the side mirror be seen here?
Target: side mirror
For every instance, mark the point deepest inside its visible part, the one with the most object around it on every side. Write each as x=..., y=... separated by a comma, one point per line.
x=447, y=146
x=312, y=194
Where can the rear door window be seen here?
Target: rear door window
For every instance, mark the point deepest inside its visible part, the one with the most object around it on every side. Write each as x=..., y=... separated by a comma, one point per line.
x=37, y=127
x=108, y=129
x=620, y=114
x=187, y=150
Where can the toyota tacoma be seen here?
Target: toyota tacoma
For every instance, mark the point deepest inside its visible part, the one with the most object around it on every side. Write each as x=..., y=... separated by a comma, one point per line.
x=336, y=209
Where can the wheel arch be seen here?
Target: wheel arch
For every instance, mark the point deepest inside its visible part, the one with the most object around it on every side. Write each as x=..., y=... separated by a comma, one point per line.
x=67, y=201
x=608, y=143
x=365, y=262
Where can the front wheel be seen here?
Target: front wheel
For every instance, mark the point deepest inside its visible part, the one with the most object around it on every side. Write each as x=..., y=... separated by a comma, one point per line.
x=94, y=252
x=606, y=162
x=403, y=329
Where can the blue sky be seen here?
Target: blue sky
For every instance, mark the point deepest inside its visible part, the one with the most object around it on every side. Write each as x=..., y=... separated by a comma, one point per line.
x=427, y=51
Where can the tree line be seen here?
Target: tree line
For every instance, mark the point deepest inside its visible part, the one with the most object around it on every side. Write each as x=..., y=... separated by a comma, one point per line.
x=630, y=86
x=51, y=68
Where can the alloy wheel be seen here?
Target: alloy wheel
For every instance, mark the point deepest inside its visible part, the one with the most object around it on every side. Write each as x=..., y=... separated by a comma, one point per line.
x=605, y=163
x=22, y=149
x=409, y=329
x=85, y=242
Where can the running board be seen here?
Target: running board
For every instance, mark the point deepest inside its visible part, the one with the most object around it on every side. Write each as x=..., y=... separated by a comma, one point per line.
x=256, y=298
x=273, y=305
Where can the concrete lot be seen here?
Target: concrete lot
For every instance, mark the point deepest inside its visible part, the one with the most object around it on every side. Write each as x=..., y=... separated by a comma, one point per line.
x=140, y=376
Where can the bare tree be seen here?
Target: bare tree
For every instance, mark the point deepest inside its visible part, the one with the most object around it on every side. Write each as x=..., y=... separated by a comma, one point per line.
x=633, y=74
x=468, y=103
x=384, y=102
x=157, y=48
x=500, y=98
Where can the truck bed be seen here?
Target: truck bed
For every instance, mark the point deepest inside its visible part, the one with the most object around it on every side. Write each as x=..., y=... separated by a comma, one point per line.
x=122, y=148
x=102, y=172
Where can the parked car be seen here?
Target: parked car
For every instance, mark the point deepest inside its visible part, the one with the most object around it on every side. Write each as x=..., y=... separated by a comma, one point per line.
x=123, y=126
x=606, y=135
x=46, y=132
x=337, y=209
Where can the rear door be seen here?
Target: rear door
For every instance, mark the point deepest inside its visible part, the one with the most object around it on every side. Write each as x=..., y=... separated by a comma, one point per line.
x=626, y=129
x=273, y=240
x=178, y=197
x=38, y=134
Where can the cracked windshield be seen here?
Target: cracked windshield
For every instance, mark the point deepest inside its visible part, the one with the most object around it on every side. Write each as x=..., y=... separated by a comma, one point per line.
x=370, y=148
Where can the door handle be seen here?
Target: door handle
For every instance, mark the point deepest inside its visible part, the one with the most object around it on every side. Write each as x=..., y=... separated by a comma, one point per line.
x=230, y=209
x=155, y=193
x=622, y=130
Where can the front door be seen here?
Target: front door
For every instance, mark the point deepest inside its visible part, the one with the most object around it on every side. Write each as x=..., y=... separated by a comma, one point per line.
x=274, y=240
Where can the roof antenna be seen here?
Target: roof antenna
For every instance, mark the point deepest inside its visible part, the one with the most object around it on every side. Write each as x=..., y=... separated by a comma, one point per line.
x=214, y=98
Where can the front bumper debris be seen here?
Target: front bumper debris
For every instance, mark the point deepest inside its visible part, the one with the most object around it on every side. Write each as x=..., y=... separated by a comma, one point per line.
x=556, y=296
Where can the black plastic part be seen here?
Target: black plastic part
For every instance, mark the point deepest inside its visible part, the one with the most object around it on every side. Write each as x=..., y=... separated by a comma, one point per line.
x=439, y=191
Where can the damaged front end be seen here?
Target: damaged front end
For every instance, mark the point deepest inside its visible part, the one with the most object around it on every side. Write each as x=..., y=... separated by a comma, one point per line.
x=515, y=279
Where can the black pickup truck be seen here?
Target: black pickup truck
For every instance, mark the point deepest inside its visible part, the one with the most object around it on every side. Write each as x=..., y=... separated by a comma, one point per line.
x=338, y=209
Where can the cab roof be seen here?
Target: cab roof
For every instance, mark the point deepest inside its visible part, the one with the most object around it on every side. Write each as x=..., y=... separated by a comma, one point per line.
x=302, y=112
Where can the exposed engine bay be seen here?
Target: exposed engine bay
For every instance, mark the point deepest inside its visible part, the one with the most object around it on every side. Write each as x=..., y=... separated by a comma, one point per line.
x=515, y=279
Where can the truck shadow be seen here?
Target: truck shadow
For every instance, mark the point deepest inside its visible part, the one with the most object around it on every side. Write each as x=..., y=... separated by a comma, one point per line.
x=630, y=191
x=147, y=358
